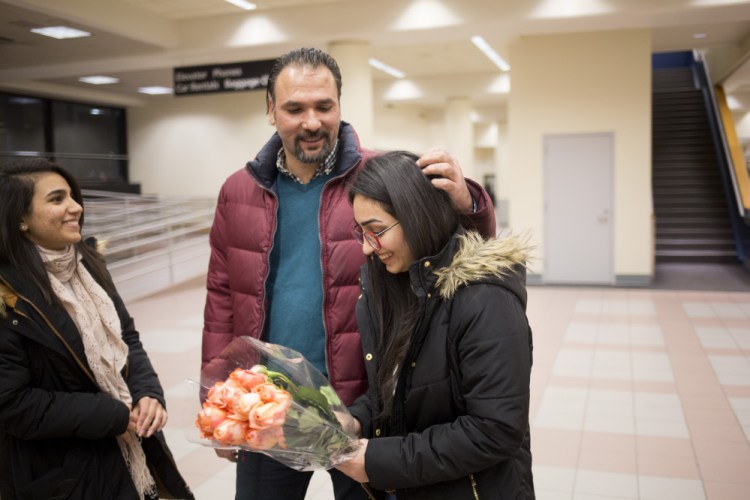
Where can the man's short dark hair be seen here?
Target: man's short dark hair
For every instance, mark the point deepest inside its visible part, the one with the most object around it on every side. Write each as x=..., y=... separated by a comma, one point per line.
x=305, y=56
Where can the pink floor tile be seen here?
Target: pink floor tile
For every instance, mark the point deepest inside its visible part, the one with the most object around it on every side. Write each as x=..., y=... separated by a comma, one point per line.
x=664, y=446
x=721, y=433
x=728, y=470
x=622, y=462
x=667, y=466
x=556, y=448
x=726, y=491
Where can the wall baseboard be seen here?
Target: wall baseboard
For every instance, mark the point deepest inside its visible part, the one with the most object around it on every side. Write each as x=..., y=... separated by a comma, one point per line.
x=621, y=280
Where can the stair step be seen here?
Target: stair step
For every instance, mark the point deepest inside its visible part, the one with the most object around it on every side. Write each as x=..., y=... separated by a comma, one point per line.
x=684, y=175
x=695, y=245
x=672, y=165
x=693, y=222
x=696, y=253
x=688, y=233
x=694, y=259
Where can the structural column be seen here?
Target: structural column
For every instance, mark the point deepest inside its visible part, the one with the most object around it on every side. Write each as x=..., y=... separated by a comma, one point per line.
x=460, y=134
x=356, y=93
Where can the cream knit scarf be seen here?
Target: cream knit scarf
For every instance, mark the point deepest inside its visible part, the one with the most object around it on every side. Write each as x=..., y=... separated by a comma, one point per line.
x=95, y=316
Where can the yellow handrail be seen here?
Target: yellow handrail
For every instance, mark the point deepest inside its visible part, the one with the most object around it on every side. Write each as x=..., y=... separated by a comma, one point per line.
x=735, y=149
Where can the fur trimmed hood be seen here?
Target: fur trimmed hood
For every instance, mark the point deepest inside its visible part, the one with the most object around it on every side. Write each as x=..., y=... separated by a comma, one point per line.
x=476, y=260
x=7, y=299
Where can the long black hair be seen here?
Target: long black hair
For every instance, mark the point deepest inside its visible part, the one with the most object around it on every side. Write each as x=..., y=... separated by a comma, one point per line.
x=17, y=183
x=428, y=221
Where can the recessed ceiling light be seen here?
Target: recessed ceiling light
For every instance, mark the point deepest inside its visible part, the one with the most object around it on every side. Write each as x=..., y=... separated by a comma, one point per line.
x=699, y=35
x=490, y=53
x=386, y=69
x=99, y=80
x=155, y=90
x=242, y=4
x=60, y=32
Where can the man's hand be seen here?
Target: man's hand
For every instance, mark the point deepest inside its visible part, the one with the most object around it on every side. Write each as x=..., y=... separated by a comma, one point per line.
x=150, y=416
x=441, y=163
x=230, y=455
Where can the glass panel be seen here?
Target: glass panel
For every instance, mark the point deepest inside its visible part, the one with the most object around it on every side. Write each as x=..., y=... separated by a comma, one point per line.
x=95, y=170
x=21, y=123
x=87, y=129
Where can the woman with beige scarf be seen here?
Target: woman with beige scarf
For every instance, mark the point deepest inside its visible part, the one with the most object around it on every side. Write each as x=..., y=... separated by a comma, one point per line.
x=81, y=408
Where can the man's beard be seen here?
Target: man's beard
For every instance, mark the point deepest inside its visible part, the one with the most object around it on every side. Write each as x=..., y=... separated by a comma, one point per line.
x=318, y=157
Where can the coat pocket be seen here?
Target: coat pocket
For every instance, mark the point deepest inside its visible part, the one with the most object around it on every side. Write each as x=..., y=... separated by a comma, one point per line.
x=57, y=482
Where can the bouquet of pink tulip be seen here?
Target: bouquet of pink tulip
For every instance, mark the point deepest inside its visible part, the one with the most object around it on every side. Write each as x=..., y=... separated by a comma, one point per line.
x=274, y=402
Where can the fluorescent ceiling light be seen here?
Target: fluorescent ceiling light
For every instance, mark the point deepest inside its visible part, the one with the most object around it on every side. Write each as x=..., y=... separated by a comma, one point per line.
x=500, y=85
x=426, y=14
x=99, y=80
x=699, y=35
x=402, y=90
x=60, y=32
x=551, y=9
x=155, y=90
x=733, y=103
x=242, y=4
x=385, y=68
x=490, y=53
x=257, y=30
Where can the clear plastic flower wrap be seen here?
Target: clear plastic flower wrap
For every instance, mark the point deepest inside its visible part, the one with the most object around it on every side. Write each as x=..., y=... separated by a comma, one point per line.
x=266, y=398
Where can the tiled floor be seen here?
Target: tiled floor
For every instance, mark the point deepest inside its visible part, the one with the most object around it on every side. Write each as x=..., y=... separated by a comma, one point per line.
x=636, y=393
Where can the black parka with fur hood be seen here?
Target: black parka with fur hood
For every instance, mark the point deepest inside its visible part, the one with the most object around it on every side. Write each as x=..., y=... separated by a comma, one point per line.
x=459, y=427
x=57, y=428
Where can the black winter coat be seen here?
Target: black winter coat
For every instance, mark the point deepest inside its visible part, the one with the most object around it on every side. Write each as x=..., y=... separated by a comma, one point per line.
x=459, y=427
x=57, y=429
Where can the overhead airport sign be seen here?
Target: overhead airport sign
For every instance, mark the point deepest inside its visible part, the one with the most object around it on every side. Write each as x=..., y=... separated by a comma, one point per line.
x=191, y=80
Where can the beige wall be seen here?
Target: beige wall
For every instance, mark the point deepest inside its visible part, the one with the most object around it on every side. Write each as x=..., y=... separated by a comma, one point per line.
x=585, y=83
x=187, y=146
x=742, y=121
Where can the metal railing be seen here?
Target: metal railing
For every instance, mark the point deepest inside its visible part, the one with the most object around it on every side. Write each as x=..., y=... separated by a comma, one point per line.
x=150, y=243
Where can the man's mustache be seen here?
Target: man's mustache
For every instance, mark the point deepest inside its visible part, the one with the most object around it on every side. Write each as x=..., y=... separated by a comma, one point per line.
x=311, y=136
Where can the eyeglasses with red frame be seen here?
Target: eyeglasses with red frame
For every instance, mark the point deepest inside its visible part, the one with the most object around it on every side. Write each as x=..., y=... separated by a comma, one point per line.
x=372, y=238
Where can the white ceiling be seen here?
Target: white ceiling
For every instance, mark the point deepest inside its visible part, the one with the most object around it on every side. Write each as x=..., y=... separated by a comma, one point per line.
x=140, y=41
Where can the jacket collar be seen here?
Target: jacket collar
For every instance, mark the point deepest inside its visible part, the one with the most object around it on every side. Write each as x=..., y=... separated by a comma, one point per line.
x=468, y=258
x=263, y=167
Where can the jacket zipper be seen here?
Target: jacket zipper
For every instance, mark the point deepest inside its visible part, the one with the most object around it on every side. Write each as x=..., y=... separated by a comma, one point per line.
x=262, y=323
x=474, y=486
x=369, y=492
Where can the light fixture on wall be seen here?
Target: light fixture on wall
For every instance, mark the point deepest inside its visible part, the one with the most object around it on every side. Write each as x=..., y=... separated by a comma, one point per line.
x=386, y=69
x=243, y=4
x=155, y=90
x=490, y=53
x=99, y=80
x=60, y=32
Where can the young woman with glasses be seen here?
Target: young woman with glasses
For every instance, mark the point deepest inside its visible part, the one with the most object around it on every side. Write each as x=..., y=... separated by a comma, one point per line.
x=447, y=346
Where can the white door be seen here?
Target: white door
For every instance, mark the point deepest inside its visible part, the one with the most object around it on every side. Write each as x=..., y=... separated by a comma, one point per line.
x=578, y=172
